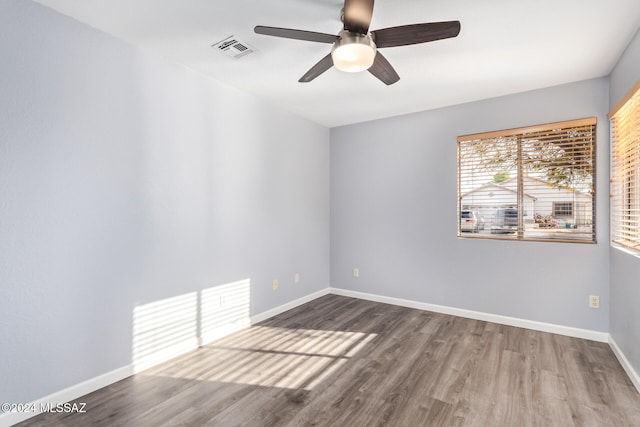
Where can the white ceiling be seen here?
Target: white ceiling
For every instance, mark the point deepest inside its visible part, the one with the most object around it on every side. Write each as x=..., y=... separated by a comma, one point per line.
x=504, y=47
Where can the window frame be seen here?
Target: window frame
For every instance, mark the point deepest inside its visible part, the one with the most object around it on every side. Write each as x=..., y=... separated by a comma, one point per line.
x=625, y=172
x=531, y=135
x=562, y=212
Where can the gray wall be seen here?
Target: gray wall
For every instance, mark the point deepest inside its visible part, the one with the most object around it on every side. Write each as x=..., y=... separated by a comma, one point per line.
x=126, y=180
x=625, y=268
x=393, y=215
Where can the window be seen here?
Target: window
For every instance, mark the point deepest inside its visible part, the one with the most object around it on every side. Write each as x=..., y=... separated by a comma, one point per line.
x=534, y=183
x=625, y=171
x=562, y=209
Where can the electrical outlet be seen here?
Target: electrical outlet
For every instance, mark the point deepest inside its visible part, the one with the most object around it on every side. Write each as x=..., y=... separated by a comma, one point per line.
x=275, y=284
x=594, y=301
x=356, y=272
x=296, y=278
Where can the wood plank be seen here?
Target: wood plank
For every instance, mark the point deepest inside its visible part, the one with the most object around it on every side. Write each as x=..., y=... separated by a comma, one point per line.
x=339, y=361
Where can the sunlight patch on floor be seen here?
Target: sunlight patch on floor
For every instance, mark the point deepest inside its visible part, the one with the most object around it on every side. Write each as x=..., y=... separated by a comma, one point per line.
x=275, y=357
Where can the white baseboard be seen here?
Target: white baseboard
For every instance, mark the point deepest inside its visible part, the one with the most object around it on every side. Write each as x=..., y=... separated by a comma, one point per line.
x=93, y=384
x=160, y=355
x=633, y=375
x=478, y=315
x=288, y=306
x=66, y=395
x=225, y=330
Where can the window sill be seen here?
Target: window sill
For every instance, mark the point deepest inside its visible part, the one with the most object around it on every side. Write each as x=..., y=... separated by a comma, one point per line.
x=626, y=250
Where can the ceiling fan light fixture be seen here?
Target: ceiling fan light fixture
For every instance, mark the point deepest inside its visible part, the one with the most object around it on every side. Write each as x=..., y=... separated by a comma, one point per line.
x=355, y=48
x=353, y=52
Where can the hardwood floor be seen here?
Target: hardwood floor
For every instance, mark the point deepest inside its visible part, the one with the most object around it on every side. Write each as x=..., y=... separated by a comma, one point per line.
x=340, y=361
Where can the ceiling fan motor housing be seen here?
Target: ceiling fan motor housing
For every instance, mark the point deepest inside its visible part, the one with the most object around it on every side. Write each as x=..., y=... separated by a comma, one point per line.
x=353, y=52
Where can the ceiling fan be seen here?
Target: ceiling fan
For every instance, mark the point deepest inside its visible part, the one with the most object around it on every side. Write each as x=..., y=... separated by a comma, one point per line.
x=356, y=49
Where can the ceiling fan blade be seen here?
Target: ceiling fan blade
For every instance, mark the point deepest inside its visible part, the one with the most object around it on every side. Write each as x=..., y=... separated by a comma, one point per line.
x=357, y=15
x=289, y=33
x=383, y=70
x=323, y=65
x=416, y=33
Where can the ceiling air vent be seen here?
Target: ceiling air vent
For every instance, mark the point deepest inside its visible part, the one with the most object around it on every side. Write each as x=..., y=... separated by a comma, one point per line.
x=233, y=47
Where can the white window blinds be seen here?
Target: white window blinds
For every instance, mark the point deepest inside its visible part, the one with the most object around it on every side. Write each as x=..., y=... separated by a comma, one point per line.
x=532, y=183
x=625, y=172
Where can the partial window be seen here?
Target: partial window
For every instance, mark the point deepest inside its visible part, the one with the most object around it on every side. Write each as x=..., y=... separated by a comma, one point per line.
x=534, y=183
x=625, y=172
x=563, y=209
